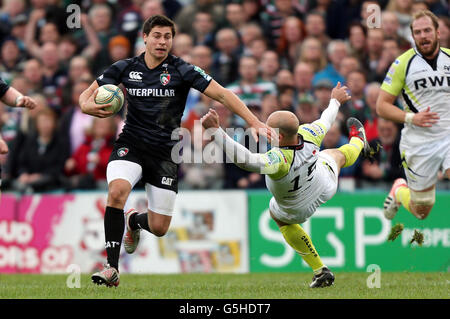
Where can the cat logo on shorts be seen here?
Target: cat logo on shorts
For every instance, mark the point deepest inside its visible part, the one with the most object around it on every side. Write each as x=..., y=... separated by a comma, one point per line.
x=121, y=152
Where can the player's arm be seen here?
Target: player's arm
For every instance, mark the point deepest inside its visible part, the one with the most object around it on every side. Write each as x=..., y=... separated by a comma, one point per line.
x=241, y=156
x=316, y=131
x=14, y=98
x=387, y=110
x=393, y=84
x=88, y=105
x=234, y=104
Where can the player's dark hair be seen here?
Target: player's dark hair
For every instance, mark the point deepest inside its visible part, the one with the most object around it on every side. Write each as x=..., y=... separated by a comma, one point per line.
x=158, y=21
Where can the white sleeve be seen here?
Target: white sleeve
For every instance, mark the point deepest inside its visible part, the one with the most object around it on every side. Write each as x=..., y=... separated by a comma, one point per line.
x=239, y=154
x=329, y=115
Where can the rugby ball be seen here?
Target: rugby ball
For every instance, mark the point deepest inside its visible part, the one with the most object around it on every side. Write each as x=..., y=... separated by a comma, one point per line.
x=110, y=93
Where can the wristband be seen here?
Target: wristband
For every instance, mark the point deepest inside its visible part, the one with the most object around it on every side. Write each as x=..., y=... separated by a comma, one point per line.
x=20, y=97
x=409, y=118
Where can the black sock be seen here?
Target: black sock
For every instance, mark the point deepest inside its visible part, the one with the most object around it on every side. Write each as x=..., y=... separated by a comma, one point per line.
x=114, y=228
x=139, y=221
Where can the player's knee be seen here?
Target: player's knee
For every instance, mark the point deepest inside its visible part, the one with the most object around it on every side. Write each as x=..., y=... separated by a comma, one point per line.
x=422, y=212
x=117, y=195
x=159, y=230
x=422, y=202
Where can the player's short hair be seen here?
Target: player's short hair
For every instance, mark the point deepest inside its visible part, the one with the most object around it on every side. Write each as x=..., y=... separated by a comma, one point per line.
x=425, y=13
x=158, y=20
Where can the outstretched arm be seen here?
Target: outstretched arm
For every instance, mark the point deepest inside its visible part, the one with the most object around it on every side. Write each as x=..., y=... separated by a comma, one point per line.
x=240, y=155
x=338, y=96
x=235, y=105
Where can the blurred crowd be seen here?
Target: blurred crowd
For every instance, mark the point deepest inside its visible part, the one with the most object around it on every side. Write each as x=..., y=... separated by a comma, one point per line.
x=274, y=54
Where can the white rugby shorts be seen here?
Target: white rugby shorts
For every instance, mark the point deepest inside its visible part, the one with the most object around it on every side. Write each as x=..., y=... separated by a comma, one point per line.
x=424, y=161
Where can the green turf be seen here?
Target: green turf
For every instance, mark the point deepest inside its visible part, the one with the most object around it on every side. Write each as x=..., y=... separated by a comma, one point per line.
x=230, y=286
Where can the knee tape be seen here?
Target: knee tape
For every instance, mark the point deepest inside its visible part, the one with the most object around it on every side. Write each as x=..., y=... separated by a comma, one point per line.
x=423, y=198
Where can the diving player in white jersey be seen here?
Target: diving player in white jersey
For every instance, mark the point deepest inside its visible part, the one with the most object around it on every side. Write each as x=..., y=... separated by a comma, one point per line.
x=422, y=76
x=299, y=175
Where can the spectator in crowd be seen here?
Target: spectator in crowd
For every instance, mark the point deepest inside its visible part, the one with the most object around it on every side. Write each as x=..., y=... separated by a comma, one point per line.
x=257, y=48
x=11, y=9
x=250, y=88
x=86, y=168
x=210, y=172
x=18, y=30
x=303, y=75
x=269, y=65
x=119, y=48
x=185, y=17
x=375, y=38
x=248, y=33
x=357, y=40
x=74, y=123
x=225, y=59
x=390, y=52
x=284, y=77
x=252, y=9
x=200, y=56
x=419, y=5
x=10, y=58
x=274, y=16
x=387, y=163
x=100, y=16
x=356, y=83
x=322, y=94
x=270, y=104
x=32, y=71
x=337, y=50
x=444, y=30
x=311, y=52
x=182, y=45
x=77, y=69
x=235, y=16
x=285, y=97
x=48, y=33
x=391, y=27
x=40, y=159
x=307, y=111
x=403, y=11
x=292, y=34
x=347, y=65
x=54, y=77
x=368, y=115
x=203, y=29
x=315, y=26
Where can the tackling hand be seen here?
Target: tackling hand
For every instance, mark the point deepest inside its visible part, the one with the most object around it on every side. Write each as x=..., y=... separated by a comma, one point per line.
x=26, y=101
x=340, y=93
x=210, y=119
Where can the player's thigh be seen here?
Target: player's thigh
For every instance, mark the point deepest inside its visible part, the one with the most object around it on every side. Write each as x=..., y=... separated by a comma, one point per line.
x=161, y=203
x=422, y=163
x=160, y=176
x=337, y=157
x=124, y=170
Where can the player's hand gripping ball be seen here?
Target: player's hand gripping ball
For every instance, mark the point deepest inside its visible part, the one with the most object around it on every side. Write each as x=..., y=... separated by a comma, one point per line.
x=110, y=94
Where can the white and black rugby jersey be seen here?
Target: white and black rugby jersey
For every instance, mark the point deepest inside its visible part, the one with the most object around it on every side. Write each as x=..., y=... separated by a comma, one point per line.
x=422, y=83
x=156, y=97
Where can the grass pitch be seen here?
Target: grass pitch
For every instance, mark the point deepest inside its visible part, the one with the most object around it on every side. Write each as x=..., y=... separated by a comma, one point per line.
x=229, y=286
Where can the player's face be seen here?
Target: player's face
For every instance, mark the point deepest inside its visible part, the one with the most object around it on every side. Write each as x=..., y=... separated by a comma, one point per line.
x=425, y=36
x=159, y=42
